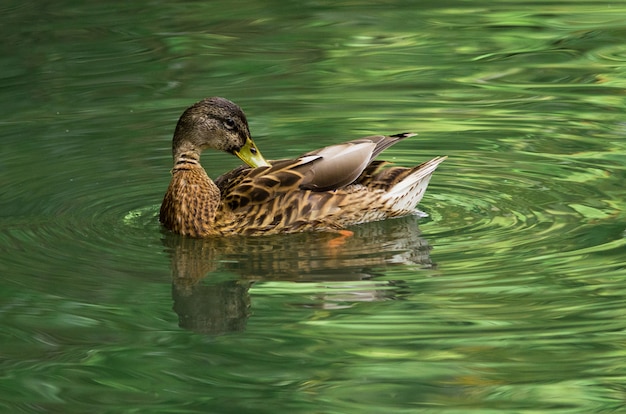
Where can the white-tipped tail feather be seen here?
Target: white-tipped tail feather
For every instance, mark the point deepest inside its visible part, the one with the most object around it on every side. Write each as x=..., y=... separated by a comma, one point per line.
x=403, y=197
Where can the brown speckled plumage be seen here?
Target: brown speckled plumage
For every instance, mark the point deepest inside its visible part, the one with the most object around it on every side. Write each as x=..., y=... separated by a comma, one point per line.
x=326, y=189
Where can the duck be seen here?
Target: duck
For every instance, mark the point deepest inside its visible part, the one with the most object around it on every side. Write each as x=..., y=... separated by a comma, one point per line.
x=327, y=189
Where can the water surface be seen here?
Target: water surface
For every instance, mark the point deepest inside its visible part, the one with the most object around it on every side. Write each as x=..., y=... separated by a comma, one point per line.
x=508, y=297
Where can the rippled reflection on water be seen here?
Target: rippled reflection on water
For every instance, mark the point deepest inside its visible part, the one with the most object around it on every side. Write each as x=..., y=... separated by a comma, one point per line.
x=508, y=297
x=221, y=307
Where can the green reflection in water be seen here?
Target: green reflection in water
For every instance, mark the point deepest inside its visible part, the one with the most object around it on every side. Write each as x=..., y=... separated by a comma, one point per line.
x=508, y=298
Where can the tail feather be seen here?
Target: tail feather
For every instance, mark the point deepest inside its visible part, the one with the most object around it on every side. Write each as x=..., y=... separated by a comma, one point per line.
x=404, y=196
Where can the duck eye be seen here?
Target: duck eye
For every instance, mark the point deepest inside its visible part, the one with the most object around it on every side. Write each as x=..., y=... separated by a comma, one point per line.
x=229, y=123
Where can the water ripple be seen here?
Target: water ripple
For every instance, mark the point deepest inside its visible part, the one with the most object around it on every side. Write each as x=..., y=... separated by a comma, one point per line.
x=83, y=223
x=525, y=215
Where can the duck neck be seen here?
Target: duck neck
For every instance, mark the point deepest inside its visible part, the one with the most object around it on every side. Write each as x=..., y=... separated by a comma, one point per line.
x=185, y=159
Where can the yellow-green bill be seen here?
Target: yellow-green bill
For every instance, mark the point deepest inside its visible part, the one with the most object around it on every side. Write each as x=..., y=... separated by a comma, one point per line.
x=251, y=155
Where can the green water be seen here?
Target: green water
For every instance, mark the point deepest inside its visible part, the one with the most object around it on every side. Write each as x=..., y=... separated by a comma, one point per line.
x=508, y=298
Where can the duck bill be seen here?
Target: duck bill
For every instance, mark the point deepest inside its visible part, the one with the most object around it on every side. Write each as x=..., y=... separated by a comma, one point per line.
x=250, y=154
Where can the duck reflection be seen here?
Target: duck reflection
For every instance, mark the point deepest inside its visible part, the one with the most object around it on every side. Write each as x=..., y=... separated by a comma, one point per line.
x=211, y=277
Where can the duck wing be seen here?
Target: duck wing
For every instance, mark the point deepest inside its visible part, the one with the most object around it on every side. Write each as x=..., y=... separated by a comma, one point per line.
x=325, y=169
x=342, y=164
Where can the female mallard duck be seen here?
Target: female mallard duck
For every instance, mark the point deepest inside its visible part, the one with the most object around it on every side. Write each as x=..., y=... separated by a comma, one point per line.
x=326, y=189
